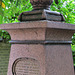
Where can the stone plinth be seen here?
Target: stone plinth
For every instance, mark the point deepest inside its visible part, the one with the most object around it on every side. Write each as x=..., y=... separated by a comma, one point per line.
x=40, y=48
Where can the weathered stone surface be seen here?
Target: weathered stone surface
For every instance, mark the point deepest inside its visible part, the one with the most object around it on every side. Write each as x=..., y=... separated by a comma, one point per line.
x=59, y=60
x=54, y=59
x=40, y=30
x=30, y=51
x=41, y=15
x=37, y=24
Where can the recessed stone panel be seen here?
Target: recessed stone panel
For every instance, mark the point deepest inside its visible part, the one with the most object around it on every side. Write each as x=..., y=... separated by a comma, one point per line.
x=26, y=66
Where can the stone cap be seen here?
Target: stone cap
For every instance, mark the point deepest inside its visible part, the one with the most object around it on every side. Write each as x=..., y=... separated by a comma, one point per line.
x=37, y=24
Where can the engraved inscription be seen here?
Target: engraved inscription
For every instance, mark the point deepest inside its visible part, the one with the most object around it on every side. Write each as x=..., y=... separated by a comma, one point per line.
x=27, y=67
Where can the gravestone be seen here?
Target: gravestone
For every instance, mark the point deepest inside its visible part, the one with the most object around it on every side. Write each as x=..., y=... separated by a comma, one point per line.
x=46, y=44
x=4, y=57
x=40, y=46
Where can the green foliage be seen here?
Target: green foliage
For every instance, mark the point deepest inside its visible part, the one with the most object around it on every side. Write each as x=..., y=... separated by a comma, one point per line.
x=73, y=47
x=67, y=8
x=73, y=39
x=9, y=14
x=4, y=35
x=12, y=10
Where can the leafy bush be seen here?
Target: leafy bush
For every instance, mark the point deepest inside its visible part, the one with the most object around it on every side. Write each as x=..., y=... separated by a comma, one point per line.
x=67, y=8
x=9, y=12
x=12, y=9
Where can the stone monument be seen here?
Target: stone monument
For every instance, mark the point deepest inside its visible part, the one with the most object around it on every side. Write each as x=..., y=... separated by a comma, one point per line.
x=40, y=45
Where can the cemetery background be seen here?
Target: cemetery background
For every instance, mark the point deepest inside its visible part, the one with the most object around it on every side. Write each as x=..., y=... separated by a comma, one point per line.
x=4, y=57
x=9, y=15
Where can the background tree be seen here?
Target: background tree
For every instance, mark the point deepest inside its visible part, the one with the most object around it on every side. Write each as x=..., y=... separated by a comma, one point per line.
x=9, y=12
x=67, y=8
x=12, y=9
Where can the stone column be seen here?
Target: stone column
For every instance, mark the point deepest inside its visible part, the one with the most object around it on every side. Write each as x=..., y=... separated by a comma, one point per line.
x=40, y=48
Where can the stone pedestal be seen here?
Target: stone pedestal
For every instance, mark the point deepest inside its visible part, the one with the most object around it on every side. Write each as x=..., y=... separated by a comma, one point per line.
x=40, y=48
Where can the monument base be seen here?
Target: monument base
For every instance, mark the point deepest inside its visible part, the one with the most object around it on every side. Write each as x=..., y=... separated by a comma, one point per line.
x=40, y=59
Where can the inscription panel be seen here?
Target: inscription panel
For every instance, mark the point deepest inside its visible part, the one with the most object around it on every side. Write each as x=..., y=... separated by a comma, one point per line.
x=26, y=66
